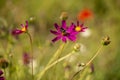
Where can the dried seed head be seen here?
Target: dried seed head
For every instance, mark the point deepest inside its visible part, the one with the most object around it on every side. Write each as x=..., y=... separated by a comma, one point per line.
x=3, y=63
x=81, y=64
x=64, y=16
x=106, y=40
x=77, y=47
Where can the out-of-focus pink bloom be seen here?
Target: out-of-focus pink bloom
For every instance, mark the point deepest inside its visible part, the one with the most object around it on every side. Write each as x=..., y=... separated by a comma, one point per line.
x=22, y=30
x=26, y=58
x=79, y=27
x=1, y=77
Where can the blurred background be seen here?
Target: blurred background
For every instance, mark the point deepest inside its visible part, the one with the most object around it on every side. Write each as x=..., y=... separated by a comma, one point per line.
x=42, y=14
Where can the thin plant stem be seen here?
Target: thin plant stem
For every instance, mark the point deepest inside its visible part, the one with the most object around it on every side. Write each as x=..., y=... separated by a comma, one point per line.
x=94, y=55
x=31, y=52
x=5, y=73
x=56, y=54
x=57, y=57
x=99, y=49
x=83, y=74
x=52, y=64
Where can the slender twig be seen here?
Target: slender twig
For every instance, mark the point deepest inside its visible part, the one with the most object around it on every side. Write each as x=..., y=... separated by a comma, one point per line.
x=52, y=64
x=99, y=49
x=94, y=56
x=31, y=52
x=56, y=54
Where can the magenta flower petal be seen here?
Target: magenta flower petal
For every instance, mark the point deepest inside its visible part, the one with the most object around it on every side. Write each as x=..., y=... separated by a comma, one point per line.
x=64, y=39
x=22, y=30
x=64, y=24
x=16, y=32
x=56, y=38
x=22, y=25
x=2, y=78
x=74, y=33
x=72, y=38
x=26, y=26
x=56, y=26
x=64, y=32
x=1, y=72
x=54, y=32
x=71, y=28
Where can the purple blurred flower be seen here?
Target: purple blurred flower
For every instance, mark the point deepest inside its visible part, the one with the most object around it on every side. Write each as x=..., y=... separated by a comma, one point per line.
x=26, y=58
x=64, y=32
x=92, y=68
x=22, y=30
x=1, y=77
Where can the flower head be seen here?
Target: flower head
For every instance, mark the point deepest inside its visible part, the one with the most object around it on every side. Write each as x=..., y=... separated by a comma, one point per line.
x=79, y=27
x=106, y=40
x=3, y=63
x=22, y=30
x=64, y=32
x=1, y=77
x=85, y=14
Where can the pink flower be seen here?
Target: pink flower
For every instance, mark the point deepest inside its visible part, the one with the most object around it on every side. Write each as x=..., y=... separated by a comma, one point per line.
x=79, y=27
x=64, y=32
x=22, y=30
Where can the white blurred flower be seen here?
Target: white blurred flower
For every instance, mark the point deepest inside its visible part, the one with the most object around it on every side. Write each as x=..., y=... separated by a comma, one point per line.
x=83, y=48
x=34, y=67
x=87, y=33
x=72, y=58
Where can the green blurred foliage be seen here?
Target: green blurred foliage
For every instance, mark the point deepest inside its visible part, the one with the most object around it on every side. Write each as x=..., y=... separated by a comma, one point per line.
x=42, y=14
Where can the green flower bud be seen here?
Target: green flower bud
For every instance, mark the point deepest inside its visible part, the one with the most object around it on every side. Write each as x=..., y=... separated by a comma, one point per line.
x=64, y=16
x=77, y=47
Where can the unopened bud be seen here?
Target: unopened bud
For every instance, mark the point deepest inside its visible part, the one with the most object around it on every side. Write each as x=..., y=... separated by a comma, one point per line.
x=31, y=19
x=106, y=40
x=81, y=64
x=64, y=16
x=77, y=47
x=3, y=63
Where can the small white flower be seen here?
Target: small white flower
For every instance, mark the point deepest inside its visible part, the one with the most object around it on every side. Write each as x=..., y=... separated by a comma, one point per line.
x=34, y=67
x=87, y=33
x=82, y=48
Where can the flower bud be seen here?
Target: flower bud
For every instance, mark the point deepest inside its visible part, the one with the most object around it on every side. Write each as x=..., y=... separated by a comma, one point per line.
x=81, y=66
x=64, y=16
x=106, y=40
x=77, y=47
x=3, y=63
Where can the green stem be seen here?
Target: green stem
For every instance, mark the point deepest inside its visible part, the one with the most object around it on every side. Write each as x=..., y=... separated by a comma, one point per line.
x=56, y=54
x=5, y=73
x=31, y=52
x=94, y=55
x=52, y=64
x=99, y=49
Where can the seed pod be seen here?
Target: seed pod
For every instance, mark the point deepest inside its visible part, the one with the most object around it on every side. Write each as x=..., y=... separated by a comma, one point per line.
x=64, y=16
x=77, y=47
x=106, y=40
x=3, y=63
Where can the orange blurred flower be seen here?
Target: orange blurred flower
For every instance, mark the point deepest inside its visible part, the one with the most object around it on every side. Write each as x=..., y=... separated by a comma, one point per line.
x=85, y=14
